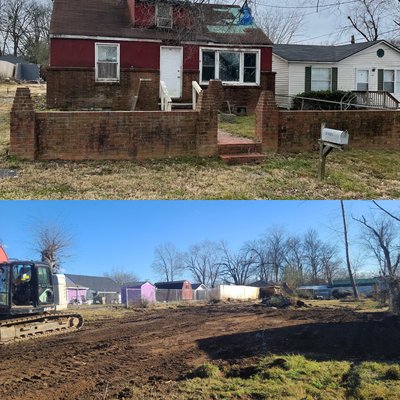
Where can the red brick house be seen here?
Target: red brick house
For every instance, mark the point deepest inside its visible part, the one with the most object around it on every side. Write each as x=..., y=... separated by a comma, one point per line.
x=99, y=49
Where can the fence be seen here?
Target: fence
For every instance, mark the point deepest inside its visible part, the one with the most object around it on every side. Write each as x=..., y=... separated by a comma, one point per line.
x=137, y=296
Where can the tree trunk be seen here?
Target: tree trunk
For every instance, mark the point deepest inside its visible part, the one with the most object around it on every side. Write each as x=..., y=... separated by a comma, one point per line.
x=346, y=243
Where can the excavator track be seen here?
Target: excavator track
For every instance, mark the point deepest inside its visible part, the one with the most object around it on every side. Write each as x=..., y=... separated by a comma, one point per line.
x=22, y=328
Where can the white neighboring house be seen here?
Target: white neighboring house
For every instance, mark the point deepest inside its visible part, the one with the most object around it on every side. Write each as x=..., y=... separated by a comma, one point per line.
x=369, y=66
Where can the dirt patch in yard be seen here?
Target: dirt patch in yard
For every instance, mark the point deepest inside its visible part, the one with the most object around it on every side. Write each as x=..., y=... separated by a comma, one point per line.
x=113, y=354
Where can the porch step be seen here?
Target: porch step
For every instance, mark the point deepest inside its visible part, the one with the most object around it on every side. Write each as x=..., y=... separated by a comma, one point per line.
x=239, y=148
x=183, y=106
x=180, y=106
x=240, y=153
x=236, y=159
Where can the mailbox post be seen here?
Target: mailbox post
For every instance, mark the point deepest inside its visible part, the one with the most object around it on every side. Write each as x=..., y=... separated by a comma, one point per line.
x=330, y=139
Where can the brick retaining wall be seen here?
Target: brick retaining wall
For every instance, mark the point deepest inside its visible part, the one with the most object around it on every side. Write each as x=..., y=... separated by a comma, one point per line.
x=297, y=131
x=107, y=135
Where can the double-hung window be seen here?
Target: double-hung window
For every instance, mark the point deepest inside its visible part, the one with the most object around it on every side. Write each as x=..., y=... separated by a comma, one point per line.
x=107, y=62
x=389, y=80
x=230, y=66
x=164, y=15
x=321, y=79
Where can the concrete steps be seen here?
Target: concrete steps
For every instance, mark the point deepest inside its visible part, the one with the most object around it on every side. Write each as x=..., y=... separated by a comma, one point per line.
x=240, y=153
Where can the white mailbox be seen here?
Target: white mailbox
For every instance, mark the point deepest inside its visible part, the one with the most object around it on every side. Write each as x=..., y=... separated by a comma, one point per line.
x=335, y=136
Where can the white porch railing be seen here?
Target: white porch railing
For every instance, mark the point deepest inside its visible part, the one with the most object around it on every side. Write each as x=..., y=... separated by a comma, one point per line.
x=196, y=90
x=166, y=101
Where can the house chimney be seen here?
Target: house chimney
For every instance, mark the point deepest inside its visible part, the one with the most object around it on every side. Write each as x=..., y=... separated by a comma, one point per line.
x=353, y=40
x=131, y=6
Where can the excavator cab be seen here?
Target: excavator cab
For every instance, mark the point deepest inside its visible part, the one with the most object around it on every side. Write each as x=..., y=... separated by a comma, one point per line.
x=25, y=288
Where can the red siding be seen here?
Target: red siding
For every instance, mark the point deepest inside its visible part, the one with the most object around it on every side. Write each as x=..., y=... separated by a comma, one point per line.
x=266, y=59
x=80, y=53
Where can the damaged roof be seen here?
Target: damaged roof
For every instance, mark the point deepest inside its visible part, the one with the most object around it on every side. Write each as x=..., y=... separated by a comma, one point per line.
x=111, y=18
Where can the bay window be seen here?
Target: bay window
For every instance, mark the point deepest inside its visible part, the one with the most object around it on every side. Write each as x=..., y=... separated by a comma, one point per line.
x=230, y=66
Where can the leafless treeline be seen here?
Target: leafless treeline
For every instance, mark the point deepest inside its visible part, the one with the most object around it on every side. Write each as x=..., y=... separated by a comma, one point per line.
x=275, y=256
x=278, y=256
x=24, y=28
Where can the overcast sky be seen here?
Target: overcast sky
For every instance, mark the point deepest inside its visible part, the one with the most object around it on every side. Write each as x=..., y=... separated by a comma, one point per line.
x=124, y=234
x=322, y=25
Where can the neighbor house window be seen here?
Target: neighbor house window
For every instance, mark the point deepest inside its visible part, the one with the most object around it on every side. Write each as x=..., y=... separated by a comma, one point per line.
x=107, y=62
x=362, y=80
x=389, y=80
x=164, y=15
x=321, y=79
x=230, y=66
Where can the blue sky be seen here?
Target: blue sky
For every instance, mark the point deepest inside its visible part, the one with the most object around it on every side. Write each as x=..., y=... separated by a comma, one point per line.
x=124, y=234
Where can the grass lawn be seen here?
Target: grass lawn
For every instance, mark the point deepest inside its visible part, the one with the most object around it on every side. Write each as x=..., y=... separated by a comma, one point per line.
x=288, y=377
x=349, y=174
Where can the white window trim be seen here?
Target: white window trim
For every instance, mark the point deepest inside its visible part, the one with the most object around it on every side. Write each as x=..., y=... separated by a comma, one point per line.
x=158, y=17
x=241, y=67
x=97, y=45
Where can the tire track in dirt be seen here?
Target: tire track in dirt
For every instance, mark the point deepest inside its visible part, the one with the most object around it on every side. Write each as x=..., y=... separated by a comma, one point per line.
x=110, y=355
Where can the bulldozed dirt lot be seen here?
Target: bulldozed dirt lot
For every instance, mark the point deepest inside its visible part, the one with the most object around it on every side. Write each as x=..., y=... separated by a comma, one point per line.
x=117, y=351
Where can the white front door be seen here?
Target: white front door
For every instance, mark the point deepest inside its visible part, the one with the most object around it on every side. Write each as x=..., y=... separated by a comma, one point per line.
x=171, y=69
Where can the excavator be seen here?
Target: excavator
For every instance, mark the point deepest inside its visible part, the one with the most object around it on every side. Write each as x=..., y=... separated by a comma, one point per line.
x=32, y=300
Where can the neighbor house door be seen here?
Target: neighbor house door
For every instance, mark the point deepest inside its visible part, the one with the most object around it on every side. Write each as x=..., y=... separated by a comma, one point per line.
x=171, y=69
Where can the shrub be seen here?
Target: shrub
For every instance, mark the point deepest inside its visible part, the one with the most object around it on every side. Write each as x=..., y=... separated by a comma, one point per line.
x=206, y=371
x=328, y=95
x=393, y=373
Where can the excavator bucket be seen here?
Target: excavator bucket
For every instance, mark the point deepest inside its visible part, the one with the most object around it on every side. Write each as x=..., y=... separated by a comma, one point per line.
x=3, y=255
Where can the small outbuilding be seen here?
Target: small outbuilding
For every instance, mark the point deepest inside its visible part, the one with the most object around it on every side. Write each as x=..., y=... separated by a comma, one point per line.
x=76, y=294
x=100, y=289
x=12, y=67
x=138, y=292
x=199, y=291
x=174, y=291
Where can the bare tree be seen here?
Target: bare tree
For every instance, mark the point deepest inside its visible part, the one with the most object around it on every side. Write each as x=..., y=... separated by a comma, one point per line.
x=258, y=249
x=203, y=260
x=366, y=17
x=276, y=249
x=237, y=267
x=168, y=262
x=346, y=244
x=390, y=214
x=121, y=276
x=312, y=254
x=52, y=241
x=24, y=28
x=281, y=26
x=294, y=261
x=329, y=262
x=383, y=241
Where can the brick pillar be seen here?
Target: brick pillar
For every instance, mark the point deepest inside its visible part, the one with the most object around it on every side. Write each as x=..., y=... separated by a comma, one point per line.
x=207, y=126
x=147, y=97
x=22, y=127
x=217, y=93
x=267, y=122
